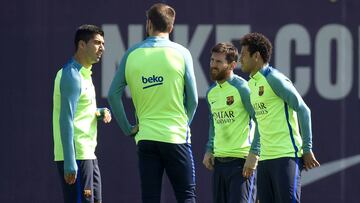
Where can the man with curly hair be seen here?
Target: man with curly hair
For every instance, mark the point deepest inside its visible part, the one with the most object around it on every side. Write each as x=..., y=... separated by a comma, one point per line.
x=284, y=124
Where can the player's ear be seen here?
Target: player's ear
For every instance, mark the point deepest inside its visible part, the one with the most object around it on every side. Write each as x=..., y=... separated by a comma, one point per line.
x=233, y=65
x=149, y=26
x=82, y=44
x=257, y=56
x=171, y=28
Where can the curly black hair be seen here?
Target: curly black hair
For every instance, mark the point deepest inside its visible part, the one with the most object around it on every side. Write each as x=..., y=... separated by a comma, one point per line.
x=257, y=42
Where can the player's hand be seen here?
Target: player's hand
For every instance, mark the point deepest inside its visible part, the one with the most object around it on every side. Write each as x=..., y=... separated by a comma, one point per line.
x=103, y=114
x=310, y=161
x=107, y=116
x=70, y=178
x=250, y=165
x=208, y=160
x=134, y=130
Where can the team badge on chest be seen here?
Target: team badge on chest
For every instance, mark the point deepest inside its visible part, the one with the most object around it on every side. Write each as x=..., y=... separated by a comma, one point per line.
x=229, y=100
x=261, y=90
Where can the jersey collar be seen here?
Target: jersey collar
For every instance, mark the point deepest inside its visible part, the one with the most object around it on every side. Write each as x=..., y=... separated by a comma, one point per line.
x=156, y=38
x=262, y=72
x=226, y=83
x=84, y=71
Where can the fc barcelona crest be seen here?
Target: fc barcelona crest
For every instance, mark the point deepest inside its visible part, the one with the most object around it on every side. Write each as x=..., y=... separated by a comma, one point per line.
x=261, y=90
x=229, y=100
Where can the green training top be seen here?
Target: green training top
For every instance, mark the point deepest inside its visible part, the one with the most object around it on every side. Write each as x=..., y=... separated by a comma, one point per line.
x=231, y=130
x=160, y=77
x=278, y=108
x=74, y=118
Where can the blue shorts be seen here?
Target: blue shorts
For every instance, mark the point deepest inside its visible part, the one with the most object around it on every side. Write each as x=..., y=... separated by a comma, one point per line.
x=176, y=160
x=88, y=181
x=229, y=185
x=279, y=180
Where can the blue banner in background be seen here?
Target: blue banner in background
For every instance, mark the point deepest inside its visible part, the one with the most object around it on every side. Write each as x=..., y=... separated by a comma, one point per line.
x=315, y=43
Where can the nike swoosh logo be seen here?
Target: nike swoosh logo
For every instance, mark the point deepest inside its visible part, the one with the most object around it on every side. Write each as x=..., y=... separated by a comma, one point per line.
x=213, y=102
x=328, y=169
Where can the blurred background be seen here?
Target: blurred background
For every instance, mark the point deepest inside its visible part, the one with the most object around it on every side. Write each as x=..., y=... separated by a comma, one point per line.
x=316, y=44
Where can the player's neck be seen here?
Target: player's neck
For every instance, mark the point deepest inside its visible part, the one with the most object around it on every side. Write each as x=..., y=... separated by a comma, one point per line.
x=160, y=34
x=82, y=60
x=226, y=78
x=257, y=68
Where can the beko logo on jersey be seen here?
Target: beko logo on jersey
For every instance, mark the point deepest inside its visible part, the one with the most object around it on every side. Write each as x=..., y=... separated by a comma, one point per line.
x=152, y=81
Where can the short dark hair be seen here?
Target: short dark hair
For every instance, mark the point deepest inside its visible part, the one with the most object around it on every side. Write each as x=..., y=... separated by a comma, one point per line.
x=258, y=42
x=85, y=33
x=230, y=51
x=162, y=17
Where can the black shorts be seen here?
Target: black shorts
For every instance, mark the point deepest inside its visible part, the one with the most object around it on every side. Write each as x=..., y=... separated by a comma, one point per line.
x=229, y=185
x=176, y=160
x=88, y=181
x=279, y=180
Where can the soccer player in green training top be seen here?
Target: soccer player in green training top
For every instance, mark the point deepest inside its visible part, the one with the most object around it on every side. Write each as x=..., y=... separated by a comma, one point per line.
x=231, y=128
x=75, y=118
x=284, y=124
x=160, y=76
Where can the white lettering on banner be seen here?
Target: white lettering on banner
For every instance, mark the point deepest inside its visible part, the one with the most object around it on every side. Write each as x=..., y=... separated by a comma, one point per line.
x=299, y=35
x=227, y=33
x=344, y=62
x=196, y=47
x=288, y=35
x=114, y=50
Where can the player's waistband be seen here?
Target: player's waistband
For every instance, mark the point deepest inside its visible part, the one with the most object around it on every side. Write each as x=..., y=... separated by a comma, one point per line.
x=227, y=159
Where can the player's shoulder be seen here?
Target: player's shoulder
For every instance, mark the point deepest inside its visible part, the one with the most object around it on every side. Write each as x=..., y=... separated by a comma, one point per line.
x=135, y=46
x=271, y=74
x=72, y=64
x=238, y=81
x=277, y=80
x=180, y=48
x=70, y=70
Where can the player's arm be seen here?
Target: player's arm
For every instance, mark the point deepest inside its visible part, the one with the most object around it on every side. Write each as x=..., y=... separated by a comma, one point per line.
x=253, y=156
x=70, y=89
x=191, y=96
x=284, y=88
x=244, y=91
x=115, y=99
x=208, y=160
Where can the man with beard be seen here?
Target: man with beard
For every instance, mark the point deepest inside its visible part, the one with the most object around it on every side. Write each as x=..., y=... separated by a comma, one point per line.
x=231, y=129
x=75, y=118
x=160, y=76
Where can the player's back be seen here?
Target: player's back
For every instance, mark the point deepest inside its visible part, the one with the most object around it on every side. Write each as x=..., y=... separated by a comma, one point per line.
x=155, y=74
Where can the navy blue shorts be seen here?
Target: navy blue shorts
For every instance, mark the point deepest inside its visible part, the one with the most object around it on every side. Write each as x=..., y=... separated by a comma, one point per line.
x=279, y=180
x=88, y=178
x=176, y=160
x=229, y=185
